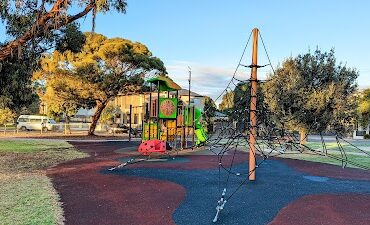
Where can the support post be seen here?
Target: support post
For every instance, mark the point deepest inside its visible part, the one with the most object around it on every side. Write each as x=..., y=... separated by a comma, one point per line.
x=177, y=115
x=253, y=108
x=193, y=137
x=168, y=96
x=150, y=110
x=129, y=129
x=158, y=128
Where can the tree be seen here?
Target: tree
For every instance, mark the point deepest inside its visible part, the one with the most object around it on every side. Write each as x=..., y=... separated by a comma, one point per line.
x=63, y=95
x=6, y=116
x=108, y=114
x=241, y=105
x=27, y=21
x=227, y=101
x=17, y=90
x=15, y=84
x=209, y=112
x=312, y=93
x=103, y=69
x=364, y=108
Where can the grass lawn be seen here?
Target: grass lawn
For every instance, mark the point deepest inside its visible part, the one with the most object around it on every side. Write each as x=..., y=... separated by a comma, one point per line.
x=27, y=195
x=352, y=153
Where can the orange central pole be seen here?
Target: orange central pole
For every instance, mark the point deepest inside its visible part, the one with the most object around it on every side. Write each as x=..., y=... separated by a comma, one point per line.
x=253, y=108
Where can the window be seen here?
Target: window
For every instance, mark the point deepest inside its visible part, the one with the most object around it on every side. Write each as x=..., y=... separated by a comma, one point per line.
x=128, y=118
x=136, y=118
x=23, y=120
x=35, y=120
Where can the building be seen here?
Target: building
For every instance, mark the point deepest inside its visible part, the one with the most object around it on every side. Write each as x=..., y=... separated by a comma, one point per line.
x=195, y=99
x=138, y=105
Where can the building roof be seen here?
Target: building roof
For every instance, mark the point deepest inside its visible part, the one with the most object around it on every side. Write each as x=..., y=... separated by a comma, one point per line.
x=185, y=92
x=165, y=83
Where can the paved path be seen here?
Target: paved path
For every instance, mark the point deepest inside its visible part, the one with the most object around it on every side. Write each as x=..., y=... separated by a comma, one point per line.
x=186, y=190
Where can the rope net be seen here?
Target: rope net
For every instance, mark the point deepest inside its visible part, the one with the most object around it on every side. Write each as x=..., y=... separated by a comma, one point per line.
x=272, y=138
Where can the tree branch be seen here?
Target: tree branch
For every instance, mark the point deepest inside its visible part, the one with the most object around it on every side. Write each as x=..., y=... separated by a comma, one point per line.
x=37, y=29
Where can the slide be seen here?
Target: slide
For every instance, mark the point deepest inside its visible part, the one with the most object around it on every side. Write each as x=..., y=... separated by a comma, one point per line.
x=199, y=130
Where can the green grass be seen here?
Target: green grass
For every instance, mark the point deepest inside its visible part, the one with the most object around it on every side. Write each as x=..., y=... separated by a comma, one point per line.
x=27, y=195
x=24, y=146
x=362, y=160
x=352, y=153
x=29, y=199
x=29, y=155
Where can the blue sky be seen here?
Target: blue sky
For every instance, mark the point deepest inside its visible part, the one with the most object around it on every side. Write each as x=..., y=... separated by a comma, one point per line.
x=209, y=35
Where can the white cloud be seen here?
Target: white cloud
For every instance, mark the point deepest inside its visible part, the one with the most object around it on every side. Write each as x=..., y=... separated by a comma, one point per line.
x=206, y=80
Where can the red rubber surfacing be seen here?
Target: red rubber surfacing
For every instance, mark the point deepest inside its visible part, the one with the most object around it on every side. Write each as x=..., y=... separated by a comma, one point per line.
x=90, y=197
x=329, y=209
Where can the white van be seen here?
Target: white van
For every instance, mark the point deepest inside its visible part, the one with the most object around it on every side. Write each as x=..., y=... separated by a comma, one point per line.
x=34, y=122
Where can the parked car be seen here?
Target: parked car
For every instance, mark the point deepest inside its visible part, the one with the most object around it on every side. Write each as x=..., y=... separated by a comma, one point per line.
x=122, y=128
x=117, y=128
x=35, y=122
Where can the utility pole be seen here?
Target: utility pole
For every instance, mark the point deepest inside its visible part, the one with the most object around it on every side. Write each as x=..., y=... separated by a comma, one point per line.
x=253, y=108
x=188, y=109
x=189, y=83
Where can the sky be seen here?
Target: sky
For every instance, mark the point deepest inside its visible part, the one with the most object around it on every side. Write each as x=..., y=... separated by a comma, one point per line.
x=209, y=35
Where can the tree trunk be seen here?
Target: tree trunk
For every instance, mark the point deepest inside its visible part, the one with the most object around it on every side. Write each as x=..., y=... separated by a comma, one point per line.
x=67, y=126
x=303, y=137
x=99, y=108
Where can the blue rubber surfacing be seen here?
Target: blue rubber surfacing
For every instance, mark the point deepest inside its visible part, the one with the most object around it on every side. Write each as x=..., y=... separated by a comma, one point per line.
x=256, y=202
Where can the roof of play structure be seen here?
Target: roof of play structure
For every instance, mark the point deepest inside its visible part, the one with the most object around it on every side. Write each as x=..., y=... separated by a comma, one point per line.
x=165, y=83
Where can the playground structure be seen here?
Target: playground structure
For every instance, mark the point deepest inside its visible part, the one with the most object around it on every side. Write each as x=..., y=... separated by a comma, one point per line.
x=265, y=138
x=169, y=121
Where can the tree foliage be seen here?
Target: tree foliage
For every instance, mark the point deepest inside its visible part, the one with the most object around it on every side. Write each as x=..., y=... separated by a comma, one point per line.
x=64, y=94
x=312, y=93
x=33, y=27
x=209, y=112
x=30, y=21
x=17, y=89
x=227, y=101
x=6, y=116
x=236, y=104
x=103, y=69
x=241, y=105
x=109, y=113
x=364, y=108
x=15, y=84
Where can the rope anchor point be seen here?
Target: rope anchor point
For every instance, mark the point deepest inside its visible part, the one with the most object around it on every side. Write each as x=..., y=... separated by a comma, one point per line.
x=220, y=205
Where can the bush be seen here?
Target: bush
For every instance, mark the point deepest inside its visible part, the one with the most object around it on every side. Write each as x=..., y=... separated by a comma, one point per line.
x=367, y=136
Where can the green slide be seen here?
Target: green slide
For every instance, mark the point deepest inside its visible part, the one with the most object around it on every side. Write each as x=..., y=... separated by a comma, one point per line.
x=199, y=130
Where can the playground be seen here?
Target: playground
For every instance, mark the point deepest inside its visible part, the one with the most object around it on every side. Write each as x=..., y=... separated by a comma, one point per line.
x=252, y=170
x=184, y=190
x=121, y=112
x=243, y=173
